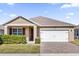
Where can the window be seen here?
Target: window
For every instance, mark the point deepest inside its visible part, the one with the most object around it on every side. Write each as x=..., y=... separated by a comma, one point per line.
x=14, y=31
x=20, y=31
x=17, y=31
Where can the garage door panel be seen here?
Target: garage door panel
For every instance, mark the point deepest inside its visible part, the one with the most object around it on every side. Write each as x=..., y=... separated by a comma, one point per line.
x=54, y=36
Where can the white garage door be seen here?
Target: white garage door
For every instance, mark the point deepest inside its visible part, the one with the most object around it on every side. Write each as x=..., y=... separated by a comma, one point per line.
x=54, y=36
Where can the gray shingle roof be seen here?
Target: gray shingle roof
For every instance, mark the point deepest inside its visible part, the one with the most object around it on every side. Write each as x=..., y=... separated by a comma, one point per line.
x=45, y=21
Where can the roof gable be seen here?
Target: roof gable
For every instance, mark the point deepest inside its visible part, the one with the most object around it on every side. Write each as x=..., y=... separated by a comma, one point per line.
x=20, y=20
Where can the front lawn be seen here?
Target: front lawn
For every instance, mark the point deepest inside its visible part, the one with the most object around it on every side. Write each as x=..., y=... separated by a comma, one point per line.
x=20, y=48
x=76, y=41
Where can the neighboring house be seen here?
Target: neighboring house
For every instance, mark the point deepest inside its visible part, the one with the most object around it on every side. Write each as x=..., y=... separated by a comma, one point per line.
x=76, y=34
x=49, y=30
x=1, y=30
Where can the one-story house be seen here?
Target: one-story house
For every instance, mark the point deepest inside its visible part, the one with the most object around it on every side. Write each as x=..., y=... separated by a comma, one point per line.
x=49, y=30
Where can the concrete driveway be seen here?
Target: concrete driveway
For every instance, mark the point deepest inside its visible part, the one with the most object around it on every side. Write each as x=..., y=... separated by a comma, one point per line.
x=58, y=47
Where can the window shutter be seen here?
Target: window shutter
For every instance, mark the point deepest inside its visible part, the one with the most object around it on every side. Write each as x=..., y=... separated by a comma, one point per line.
x=23, y=31
x=10, y=31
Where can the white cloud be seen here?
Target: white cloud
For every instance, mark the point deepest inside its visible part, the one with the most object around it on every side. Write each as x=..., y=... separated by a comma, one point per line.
x=70, y=5
x=67, y=17
x=11, y=4
x=65, y=6
x=12, y=15
x=71, y=14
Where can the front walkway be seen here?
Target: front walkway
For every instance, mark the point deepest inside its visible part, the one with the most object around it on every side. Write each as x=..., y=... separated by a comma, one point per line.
x=58, y=47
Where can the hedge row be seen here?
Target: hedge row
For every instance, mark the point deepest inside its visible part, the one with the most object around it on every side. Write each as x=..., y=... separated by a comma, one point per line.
x=13, y=39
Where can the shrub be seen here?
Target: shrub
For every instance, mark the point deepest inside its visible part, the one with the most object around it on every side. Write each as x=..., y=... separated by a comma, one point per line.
x=37, y=40
x=1, y=41
x=13, y=39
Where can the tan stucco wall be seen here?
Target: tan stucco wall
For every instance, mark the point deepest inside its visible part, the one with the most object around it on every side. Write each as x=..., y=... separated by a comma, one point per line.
x=5, y=30
x=70, y=32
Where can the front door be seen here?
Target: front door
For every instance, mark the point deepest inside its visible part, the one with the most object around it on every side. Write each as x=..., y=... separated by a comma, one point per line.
x=31, y=34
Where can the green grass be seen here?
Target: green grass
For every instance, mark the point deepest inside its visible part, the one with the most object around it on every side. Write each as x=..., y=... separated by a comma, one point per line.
x=76, y=41
x=20, y=48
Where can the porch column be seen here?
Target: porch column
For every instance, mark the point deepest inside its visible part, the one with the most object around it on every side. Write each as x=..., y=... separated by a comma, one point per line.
x=35, y=32
x=5, y=30
x=27, y=33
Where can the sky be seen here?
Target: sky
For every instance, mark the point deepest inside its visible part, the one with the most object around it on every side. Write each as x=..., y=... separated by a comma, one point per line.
x=67, y=12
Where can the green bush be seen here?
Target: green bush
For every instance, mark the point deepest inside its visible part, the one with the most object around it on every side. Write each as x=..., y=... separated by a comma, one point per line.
x=37, y=40
x=13, y=39
x=1, y=41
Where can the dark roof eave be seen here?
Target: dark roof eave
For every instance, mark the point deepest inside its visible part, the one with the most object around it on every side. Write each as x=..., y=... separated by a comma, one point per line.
x=59, y=26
